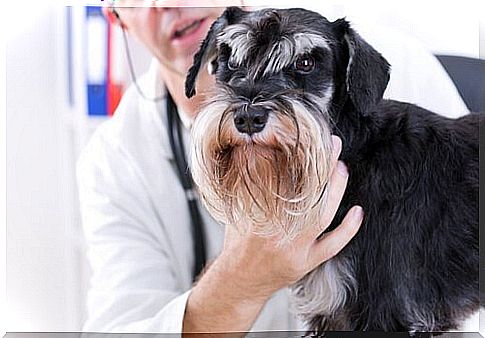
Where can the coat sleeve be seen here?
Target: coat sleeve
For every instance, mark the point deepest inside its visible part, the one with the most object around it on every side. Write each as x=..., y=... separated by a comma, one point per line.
x=134, y=285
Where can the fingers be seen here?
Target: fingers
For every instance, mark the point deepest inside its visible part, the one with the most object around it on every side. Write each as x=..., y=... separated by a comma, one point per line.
x=336, y=240
x=336, y=189
x=336, y=148
x=336, y=185
x=335, y=192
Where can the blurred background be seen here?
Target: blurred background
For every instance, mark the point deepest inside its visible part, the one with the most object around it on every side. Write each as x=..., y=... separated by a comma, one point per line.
x=65, y=72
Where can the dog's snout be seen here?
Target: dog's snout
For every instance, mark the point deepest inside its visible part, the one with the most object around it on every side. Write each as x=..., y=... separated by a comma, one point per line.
x=250, y=121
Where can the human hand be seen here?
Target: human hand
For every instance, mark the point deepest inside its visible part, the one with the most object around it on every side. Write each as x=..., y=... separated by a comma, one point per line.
x=251, y=267
x=261, y=265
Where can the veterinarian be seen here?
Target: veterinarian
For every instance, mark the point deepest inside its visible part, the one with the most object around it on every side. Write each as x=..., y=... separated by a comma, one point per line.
x=136, y=218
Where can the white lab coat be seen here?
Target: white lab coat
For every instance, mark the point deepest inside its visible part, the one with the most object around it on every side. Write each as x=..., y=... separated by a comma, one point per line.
x=135, y=215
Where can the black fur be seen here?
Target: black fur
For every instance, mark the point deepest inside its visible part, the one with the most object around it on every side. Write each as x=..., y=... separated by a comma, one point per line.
x=208, y=47
x=415, y=174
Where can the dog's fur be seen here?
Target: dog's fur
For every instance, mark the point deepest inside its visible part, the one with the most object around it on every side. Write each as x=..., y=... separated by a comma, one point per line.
x=413, y=266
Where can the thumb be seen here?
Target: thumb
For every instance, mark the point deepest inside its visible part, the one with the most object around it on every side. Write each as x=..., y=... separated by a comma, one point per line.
x=333, y=242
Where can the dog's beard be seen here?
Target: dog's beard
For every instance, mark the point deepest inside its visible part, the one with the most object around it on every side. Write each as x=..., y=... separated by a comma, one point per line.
x=274, y=180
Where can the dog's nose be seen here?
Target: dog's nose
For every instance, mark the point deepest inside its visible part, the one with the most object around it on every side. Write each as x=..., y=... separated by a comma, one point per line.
x=250, y=121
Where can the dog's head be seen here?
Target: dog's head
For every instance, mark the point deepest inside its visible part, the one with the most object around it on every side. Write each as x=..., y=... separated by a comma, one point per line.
x=262, y=144
x=290, y=48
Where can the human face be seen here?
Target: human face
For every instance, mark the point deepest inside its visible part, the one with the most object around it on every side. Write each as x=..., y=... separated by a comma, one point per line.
x=172, y=34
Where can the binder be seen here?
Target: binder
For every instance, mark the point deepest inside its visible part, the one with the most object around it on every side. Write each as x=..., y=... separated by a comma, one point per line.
x=104, y=78
x=97, y=61
x=115, y=67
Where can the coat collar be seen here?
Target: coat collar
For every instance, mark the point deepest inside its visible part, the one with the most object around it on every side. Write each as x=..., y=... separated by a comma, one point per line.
x=152, y=86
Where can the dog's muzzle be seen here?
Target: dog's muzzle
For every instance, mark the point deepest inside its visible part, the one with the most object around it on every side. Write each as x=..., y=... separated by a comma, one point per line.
x=265, y=165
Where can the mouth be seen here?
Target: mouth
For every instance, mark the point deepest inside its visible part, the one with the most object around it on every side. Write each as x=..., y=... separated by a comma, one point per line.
x=186, y=29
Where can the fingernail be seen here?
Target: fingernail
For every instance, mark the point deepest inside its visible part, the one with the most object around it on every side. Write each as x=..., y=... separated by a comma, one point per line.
x=342, y=168
x=336, y=143
x=358, y=214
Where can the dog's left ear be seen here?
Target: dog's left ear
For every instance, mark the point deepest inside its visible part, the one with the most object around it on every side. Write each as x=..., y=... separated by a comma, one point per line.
x=367, y=70
x=208, y=48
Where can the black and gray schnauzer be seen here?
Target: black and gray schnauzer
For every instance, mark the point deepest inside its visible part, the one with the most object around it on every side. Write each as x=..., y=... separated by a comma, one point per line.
x=287, y=80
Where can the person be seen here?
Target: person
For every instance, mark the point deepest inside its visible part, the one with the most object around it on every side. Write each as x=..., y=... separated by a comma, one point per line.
x=135, y=217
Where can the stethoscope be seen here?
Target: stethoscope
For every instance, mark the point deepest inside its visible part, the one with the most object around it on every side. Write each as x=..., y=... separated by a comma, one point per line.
x=182, y=168
x=177, y=146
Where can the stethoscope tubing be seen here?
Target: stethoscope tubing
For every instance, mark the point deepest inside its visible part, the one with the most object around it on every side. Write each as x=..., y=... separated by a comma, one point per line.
x=177, y=146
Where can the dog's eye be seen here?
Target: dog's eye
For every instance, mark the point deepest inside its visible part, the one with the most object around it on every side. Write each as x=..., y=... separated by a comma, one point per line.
x=304, y=64
x=231, y=64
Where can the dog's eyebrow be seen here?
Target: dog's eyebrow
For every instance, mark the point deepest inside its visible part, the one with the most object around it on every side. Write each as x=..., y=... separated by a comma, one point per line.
x=239, y=38
x=283, y=53
x=305, y=42
x=242, y=39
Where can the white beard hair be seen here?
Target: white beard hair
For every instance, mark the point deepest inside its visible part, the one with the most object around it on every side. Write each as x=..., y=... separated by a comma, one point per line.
x=289, y=213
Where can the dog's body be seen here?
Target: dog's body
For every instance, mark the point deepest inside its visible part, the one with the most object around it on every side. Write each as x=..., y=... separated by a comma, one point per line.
x=414, y=263
x=288, y=79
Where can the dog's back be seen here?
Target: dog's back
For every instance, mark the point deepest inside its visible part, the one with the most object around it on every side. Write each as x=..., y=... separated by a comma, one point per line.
x=416, y=257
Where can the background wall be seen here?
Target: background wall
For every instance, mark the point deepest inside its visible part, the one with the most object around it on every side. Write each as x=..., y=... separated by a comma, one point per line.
x=482, y=35
x=42, y=275
x=46, y=271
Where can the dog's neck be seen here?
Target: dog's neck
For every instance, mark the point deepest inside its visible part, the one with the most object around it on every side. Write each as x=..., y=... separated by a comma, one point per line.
x=353, y=127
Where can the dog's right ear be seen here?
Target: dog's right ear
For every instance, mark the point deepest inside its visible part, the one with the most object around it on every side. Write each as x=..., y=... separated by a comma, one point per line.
x=208, y=49
x=367, y=70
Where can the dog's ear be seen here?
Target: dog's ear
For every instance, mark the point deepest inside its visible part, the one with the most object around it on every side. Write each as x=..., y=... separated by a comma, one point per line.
x=207, y=53
x=367, y=70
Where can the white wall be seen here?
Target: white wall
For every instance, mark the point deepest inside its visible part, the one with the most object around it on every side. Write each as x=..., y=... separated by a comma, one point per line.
x=482, y=33
x=42, y=271
x=47, y=272
x=444, y=27
x=3, y=188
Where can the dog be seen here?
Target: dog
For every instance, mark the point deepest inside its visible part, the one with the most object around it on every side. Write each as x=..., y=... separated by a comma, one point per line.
x=286, y=80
